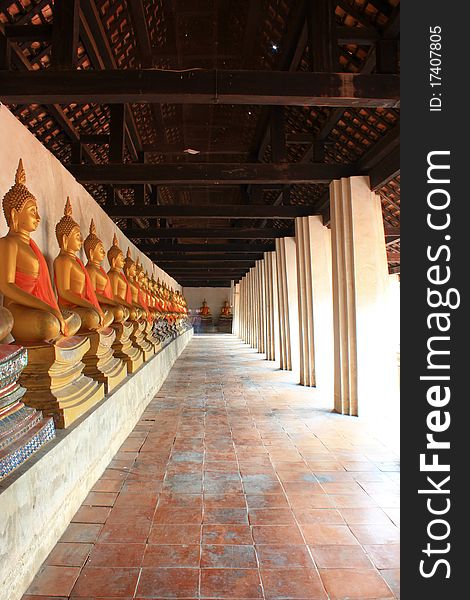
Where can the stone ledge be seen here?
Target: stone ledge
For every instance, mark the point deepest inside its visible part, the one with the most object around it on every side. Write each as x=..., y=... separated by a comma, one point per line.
x=39, y=499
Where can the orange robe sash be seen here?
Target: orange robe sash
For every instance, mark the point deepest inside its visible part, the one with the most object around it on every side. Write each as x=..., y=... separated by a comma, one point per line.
x=40, y=285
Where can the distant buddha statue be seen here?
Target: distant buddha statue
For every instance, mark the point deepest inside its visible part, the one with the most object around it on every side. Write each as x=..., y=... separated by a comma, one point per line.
x=100, y=280
x=120, y=286
x=226, y=311
x=204, y=311
x=130, y=272
x=24, y=276
x=74, y=286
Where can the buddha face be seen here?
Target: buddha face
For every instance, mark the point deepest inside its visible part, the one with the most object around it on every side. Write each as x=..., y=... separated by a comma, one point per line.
x=26, y=219
x=98, y=253
x=118, y=262
x=73, y=242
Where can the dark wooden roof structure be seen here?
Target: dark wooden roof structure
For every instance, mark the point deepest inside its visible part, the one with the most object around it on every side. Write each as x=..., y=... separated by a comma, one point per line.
x=204, y=127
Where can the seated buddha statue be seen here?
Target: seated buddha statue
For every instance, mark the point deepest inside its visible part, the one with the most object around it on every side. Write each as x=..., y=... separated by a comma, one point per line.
x=73, y=283
x=120, y=287
x=100, y=280
x=204, y=310
x=226, y=311
x=131, y=274
x=24, y=276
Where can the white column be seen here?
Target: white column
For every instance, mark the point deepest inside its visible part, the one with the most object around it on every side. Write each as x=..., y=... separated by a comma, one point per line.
x=271, y=317
x=315, y=303
x=288, y=308
x=236, y=310
x=362, y=359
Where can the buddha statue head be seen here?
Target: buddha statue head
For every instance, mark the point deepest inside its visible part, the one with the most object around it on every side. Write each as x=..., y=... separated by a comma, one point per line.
x=93, y=246
x=20, y=206
x=129, y=266
x=68, y=232
x=116, y=255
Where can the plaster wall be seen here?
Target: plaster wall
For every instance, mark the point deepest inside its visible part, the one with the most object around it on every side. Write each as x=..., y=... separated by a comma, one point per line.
x=215, y=298
x=39, y=499
x=50, y=182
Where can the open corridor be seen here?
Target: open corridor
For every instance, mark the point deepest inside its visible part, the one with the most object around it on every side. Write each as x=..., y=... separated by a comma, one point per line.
x=236, y=483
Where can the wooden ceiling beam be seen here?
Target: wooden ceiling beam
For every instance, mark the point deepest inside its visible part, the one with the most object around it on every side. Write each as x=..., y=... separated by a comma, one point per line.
x=229, y=233
x=28, y=33
x=65, y=31
x=46, y=86
x=207, y=258
x=211, y=173
x=206, y=249
x=210, y=211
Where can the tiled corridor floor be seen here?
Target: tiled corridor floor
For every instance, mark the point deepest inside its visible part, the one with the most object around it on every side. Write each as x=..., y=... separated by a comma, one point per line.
x=234, y=485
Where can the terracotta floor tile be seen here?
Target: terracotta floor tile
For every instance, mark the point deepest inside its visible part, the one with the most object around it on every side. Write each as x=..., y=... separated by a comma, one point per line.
x=340, y=557
x=107, y=485
x=353, y=501
x=130, y=515
x=81, y=532
x=223, y=516
x=283, y=556
x=328, y=535
x=310, y=501
x=133, y=532
x=351, y=584
x=114, y=474
x=106, y=582
x=230, y=557
x=376, y=534
x=100, y=499
x=318, y=515
x=226, y=534
x=282, y=584
x=277, y=534
x=175, y=534
x=267, y=501
x=91, y=514
x=364, y=516
x=180, y=501
x=392, y=578
x=230, y=583
x=224, y=501
x=183, y=516
x=168, y=583
x=384, y=556
x=54, y=581
x=271, y=516
x=116, y=555
x=132, y=501
x=172, y=556
x=69, y=554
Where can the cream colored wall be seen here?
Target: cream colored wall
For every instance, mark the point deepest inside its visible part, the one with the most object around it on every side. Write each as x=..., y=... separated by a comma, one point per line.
x=215, y=298
x=51, y=183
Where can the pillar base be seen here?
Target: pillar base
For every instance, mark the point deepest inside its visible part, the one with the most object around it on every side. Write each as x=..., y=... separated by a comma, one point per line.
x=123, y=348
x=138, y=339
x=23, y=430
x=55, y=383
x=100, y=362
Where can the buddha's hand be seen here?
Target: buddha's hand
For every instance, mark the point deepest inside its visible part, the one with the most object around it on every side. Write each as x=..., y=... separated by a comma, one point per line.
x=101, y=314
x=63, y=324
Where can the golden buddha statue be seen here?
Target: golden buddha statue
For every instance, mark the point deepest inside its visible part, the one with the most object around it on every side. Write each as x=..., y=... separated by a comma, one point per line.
x=73, y=283
x=139, y=302
x=204, y=310
x=24, y=276
x=100, y=280
x=226, y=311
x=128, y=333
x=53, y=375
x=6, y=322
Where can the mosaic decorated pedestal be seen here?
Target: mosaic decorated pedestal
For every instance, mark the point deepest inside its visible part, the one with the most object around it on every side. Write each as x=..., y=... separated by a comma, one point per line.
x=23, y=430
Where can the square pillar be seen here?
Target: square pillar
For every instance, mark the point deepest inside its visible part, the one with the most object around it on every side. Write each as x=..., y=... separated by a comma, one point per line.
x=313, y=245
x=286, y=266
x=362, y=360
x=272, y=316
